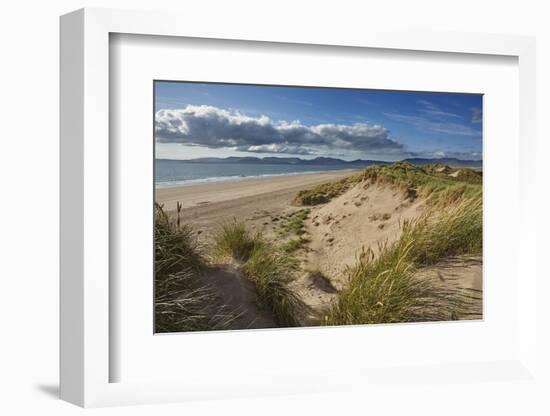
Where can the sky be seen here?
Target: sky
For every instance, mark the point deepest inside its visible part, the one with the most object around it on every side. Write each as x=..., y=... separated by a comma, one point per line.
x=218, y=120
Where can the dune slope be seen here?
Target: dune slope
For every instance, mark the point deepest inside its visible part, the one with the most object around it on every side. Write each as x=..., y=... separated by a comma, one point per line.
x=363, y=217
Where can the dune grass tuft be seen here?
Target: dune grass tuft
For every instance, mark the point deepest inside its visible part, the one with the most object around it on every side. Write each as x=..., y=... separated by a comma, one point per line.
x=182, y=301
x=271, y=271
x=451, y=230
x=323, y=193
x=294, y=223
x=234, y=240
x=383, y=287
x=293, y=245
x=267, y=266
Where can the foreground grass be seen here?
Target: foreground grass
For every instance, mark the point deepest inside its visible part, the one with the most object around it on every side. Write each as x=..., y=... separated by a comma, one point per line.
x=385, y=288
x=443, y=232
x=267, y=266
x=182, y=302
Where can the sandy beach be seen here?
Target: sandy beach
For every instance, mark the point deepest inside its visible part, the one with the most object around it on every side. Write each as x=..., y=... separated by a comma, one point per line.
x=255, y=201
x=208, y=193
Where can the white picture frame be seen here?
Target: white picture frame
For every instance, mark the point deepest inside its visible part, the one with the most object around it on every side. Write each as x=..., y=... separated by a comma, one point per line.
x=85, y=212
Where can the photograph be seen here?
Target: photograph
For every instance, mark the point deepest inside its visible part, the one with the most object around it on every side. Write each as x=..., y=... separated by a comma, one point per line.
x=282, y=206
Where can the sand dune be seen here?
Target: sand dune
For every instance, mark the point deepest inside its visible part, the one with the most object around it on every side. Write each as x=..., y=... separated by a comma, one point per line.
x=363, y=217
x=462, y=273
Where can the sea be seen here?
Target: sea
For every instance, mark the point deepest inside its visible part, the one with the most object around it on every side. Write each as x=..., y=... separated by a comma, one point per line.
x=169, y=173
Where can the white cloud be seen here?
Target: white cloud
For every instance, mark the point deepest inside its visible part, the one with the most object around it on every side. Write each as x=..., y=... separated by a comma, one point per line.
x=437, y=126
x=277, y=148
x=431, y=109
x=218, y=128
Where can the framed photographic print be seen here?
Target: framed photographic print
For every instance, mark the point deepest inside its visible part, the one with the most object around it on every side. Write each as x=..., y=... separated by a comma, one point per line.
x=354, y=207
x=286, y=213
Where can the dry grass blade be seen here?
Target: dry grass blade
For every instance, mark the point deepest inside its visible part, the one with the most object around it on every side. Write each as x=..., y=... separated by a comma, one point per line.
x=385, y=288
x=267, y=266
x=182, y=302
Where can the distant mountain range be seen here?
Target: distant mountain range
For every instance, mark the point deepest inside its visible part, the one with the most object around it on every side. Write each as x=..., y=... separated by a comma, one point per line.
x=453, y=162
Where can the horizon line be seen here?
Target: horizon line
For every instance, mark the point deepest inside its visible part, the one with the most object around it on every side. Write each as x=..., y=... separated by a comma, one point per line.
x=324, y=157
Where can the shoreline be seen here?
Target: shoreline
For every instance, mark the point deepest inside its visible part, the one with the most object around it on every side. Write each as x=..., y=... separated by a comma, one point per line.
x=229, y=179
x=197, y=195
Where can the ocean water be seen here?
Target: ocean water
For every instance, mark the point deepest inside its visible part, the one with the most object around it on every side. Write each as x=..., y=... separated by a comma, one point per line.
x=179, y=172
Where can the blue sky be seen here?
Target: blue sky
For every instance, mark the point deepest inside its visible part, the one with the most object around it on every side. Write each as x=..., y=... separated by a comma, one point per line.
x=199, y=120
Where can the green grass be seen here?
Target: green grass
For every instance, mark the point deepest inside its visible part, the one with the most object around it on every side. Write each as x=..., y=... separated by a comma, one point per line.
x=294, y=223
x=293, y=245
x=323, y=193
x=266, y=265
x=420, y=181
x=384, y=288
x=234, y=240
x=182, y=301
x=415, y=181
x=291, y=226
x=472, y=176
x=449, y=231
x=271, y=271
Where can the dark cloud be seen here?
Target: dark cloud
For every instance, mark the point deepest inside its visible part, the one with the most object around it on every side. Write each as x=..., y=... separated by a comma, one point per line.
x=217, y=128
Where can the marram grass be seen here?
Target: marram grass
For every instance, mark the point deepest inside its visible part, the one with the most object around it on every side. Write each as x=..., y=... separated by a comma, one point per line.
x=385, y=288
x=234, y=240
x=426, y=181
x=182, y=301
x=269, y=267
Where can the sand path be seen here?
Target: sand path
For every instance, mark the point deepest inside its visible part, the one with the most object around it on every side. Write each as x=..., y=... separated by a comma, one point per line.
x=460, y=273
x=238, y=295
